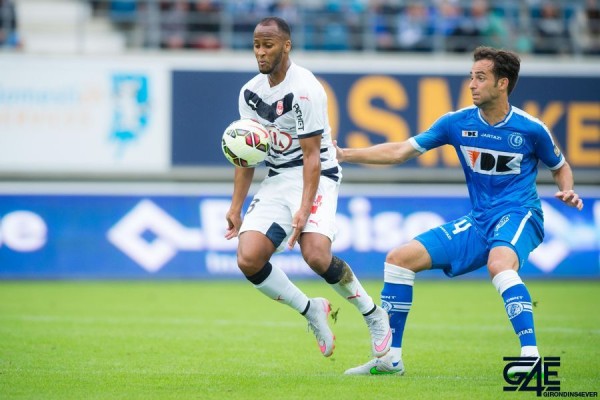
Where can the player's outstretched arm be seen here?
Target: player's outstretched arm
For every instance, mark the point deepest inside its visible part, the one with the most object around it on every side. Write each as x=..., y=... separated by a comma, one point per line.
x=564, y=180
x=384, y=153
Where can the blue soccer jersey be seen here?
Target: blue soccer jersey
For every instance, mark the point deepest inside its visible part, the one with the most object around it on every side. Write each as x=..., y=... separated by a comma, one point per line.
x=499, y=161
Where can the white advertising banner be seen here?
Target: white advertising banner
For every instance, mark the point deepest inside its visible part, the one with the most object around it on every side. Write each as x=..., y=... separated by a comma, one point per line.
x=84, y=116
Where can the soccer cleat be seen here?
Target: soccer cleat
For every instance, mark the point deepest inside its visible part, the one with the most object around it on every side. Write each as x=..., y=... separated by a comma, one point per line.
x=381, y=333
x=378, y=366
x=317, y=322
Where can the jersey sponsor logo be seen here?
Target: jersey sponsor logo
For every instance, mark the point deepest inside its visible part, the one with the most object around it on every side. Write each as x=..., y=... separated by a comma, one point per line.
x=472, y=134
x=272, y=111
x=280, y=141
x=502, y=222
x=299, y=118
x=492, y=162
x=490, y=136
x=515, y=140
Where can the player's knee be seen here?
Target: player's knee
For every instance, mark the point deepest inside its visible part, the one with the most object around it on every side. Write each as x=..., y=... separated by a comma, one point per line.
x=412, y=256
x=316, y=260
x=249, y=262
x=397, y=256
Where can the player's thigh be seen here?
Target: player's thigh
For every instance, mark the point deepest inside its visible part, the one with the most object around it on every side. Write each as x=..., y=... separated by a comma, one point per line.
x=269, y=214
x=456, y=247
x=521, y=230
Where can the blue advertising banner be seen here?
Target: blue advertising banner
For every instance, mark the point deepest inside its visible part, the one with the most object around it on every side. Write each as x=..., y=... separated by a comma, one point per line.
x=367, y=109
x=123, y=236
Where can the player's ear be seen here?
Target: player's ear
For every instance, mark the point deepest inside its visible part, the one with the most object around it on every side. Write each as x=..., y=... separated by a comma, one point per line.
x=503, y=83
x=287, y=46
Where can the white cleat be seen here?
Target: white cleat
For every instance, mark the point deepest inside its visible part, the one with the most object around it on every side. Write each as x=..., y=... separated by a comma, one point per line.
x=317, y=322
x=381, y=333
x=378, y=366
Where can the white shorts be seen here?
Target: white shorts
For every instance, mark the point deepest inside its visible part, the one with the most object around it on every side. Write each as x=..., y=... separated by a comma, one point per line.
x=277, y=200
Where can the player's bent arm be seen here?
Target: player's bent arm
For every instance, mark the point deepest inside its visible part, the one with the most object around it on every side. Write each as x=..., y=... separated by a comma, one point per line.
x=384, y=153
x=563, y=177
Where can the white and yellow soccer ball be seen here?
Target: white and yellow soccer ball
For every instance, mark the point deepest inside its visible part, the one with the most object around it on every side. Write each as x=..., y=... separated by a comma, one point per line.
x=246, y=143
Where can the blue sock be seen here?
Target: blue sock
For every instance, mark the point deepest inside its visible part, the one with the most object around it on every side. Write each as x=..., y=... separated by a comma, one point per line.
x=517, y=303
x=396, y=299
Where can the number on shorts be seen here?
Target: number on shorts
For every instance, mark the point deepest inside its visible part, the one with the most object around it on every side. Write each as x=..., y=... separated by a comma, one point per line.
x=251, y=206
x=461, y=226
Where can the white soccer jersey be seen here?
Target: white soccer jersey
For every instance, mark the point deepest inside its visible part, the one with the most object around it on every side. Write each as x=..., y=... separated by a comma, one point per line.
x=297, y=107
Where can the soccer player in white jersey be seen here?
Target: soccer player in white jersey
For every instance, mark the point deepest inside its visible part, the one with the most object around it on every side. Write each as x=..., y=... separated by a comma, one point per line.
x=297, y=201
x=499, y=147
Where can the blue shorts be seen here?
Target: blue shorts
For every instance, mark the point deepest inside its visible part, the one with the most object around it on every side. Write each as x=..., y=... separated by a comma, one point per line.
x=463, y=245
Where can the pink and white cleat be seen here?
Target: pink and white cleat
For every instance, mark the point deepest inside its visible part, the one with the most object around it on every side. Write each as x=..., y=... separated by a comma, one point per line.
x=317, y=322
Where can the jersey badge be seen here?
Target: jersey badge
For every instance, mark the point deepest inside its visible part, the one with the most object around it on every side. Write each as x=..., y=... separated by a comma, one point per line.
x=515, y=140
x=472, y=134
x=279, y=108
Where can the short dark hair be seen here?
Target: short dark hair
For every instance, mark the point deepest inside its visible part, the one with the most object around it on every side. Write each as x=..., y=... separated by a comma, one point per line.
x=282, y=25
x=506, y=64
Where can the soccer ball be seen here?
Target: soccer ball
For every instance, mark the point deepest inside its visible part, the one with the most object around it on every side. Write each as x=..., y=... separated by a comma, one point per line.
x=246, y=143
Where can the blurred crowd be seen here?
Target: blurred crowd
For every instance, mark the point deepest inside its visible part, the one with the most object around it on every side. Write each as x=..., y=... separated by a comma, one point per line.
x=527, y=26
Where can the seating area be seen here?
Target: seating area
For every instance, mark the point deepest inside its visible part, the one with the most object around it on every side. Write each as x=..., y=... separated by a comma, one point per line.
x=545, y=27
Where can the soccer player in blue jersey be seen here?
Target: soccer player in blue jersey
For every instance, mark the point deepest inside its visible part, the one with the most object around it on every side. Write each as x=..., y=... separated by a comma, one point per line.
x=499, y=147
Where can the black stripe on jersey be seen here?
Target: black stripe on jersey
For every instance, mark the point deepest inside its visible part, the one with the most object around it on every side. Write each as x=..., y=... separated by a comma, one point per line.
x=331, y=173
x=323, y=150
x=315, y=133
x=266, y=111
x=294, y=163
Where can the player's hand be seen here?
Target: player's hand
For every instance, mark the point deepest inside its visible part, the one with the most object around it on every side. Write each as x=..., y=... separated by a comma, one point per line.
x=570, y=198
x=339, y=152
x=234, y=221
x=298, y=223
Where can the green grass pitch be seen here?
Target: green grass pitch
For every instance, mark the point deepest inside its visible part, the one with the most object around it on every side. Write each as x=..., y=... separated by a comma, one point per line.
x=225, y=340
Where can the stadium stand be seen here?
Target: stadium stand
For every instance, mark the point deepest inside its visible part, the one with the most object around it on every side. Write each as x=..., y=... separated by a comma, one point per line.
x=558, y=27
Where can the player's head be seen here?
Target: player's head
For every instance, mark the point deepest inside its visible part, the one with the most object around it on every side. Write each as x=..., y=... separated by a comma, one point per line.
x=272, y=44
x=493, y=76
x=505, y=64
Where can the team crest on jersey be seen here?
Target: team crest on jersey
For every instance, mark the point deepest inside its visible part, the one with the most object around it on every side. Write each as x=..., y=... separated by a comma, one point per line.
x=279, y=108
x=492, y=162
x=515, y=140
x=470, y=134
